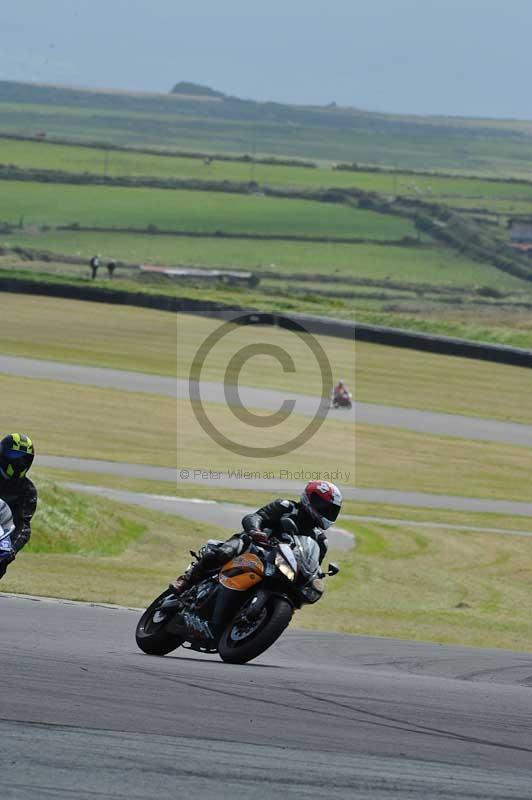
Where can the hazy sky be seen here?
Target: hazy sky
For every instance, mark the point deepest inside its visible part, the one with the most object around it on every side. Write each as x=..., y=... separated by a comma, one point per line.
x=466, y=57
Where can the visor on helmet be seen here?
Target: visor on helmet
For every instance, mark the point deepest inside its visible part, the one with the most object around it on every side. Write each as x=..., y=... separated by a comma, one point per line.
x=325, y=508
x=14, y=455
x=15, y=463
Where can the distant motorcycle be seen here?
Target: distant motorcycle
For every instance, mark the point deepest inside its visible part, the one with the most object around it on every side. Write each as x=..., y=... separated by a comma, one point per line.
x=344, y=400
x=241, y=609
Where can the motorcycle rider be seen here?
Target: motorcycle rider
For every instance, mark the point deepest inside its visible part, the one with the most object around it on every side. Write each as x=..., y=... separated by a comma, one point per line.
x=341, y=392
x=317, y=509
x=17, y=492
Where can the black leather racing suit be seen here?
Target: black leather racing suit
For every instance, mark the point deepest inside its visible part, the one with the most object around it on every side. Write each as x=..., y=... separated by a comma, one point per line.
x=21, y=497
x=269, y=518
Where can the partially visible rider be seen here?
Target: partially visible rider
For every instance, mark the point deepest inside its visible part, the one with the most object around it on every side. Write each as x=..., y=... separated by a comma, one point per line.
x=341, y=392
x=17, y=491
x=317, y=509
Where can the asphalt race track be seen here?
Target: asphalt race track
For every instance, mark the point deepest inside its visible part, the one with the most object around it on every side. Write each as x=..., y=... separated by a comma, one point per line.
x=307, y=405
x=87, y=716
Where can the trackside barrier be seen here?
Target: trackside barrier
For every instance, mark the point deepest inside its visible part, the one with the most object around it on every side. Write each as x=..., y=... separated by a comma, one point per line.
x=344, y=329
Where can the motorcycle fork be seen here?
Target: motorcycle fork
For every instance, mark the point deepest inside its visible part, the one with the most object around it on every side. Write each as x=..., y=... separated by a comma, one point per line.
x=259, y=600
x=226, y=604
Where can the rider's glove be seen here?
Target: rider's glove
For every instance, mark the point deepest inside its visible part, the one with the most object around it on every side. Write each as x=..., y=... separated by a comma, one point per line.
x=259, y=537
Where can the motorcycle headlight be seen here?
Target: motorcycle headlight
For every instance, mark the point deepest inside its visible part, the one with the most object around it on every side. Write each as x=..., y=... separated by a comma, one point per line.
x=284, y=568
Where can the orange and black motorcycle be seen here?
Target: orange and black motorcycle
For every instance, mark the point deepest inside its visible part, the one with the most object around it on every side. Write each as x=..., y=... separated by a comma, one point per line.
x=240, y=609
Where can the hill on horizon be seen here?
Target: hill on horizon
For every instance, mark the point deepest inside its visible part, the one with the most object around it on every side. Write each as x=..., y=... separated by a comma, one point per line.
x=193, y=116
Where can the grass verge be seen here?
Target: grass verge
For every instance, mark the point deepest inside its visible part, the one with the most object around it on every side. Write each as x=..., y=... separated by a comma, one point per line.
x=442, y=383
x=88, y=548
x=396, y=459
x=443, y=586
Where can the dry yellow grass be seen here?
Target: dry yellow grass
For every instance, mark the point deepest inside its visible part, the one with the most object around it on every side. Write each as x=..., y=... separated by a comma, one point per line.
x=70, y=420
x=159, y=342
x=102, y=423
x=444, y=586
x=80, y=332
x=396, y=459
x=400, y=377
x=163, y=343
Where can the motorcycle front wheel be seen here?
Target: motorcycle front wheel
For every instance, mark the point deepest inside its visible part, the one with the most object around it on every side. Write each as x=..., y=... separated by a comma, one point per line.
x=151, y=636
x=244, y=640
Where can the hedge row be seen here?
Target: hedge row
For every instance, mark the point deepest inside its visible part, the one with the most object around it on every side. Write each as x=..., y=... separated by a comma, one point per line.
x=151, y=151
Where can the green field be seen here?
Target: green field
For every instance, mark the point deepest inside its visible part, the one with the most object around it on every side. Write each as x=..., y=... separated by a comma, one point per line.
x=86, y=548
x=428, y=264
x=478, y=314
x=208, y=212
x=417, y=583
x=504, y=207
x=418, y=287
x=101, y=161
x=237, y=126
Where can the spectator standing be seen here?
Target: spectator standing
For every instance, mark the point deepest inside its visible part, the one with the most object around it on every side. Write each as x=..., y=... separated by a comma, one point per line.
x=111, y=266
x=94, y=264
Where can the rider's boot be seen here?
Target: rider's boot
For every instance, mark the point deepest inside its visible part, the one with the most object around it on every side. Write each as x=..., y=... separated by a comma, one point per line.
x=208, y=559
x=187, y=579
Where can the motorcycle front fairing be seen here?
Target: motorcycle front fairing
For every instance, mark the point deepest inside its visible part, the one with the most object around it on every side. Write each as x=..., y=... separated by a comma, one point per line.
x=288, y=569
x=7, y=528
x=310, y=585
x=7, y=551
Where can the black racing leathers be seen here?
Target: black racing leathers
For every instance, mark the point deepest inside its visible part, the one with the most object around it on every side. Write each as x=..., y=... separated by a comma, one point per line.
x=269, y=518
x=266, y=519
x=21, y=497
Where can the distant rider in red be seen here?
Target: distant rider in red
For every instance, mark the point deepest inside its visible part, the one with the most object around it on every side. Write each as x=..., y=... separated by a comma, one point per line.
x=341, y=394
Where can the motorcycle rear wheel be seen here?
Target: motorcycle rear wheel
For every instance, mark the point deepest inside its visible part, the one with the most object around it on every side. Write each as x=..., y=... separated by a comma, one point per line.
x=237, y=646
x=150, y=634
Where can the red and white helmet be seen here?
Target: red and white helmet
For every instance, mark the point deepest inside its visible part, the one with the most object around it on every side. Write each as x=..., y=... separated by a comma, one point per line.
x=323, y=501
